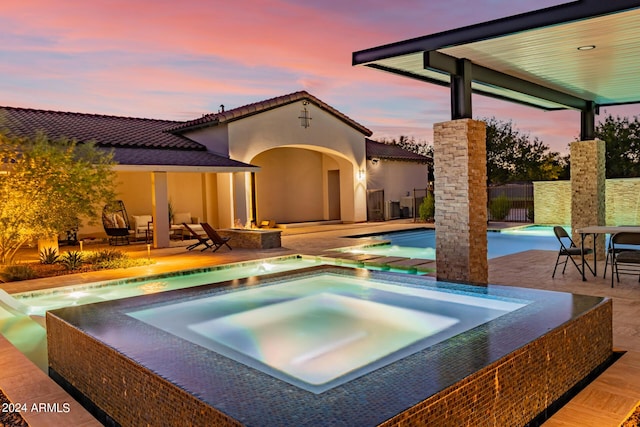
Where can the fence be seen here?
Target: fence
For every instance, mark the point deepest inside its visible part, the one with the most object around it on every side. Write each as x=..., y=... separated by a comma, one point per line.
x=519, y=202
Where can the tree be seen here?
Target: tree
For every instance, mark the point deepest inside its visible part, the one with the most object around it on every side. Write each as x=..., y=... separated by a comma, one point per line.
x=622, y=140
x=512, y=156
x=47, y=186
x=410, y=144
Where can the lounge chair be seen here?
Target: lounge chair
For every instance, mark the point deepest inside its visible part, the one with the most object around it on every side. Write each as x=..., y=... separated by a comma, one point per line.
x=568, y=250
x=216, y=239
x=625, y=260
x=202, y=240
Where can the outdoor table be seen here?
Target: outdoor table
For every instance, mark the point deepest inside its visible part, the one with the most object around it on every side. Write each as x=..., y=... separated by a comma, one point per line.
x=594, y=230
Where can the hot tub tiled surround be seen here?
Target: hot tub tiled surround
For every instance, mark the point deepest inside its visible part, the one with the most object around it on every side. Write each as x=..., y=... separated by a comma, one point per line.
x=505, y=372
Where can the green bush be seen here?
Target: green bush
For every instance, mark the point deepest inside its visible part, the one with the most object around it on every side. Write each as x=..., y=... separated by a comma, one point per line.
x=427, y=208
x=49, y=256
x=499, y=208
x=72, y=260
x=112, y=258
x=17, y=272
x=104, y=255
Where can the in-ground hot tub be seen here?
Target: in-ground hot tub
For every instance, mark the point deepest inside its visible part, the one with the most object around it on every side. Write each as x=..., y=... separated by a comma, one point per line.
x=329, y=345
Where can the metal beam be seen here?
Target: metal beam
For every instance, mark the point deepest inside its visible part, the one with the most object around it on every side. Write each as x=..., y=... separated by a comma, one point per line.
x=555, y=15
x=448, y=64
x=588, y=122
x=447, y=83
x=461, y=90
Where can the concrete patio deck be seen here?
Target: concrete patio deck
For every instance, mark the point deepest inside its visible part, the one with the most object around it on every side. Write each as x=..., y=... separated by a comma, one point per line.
x=605, y=402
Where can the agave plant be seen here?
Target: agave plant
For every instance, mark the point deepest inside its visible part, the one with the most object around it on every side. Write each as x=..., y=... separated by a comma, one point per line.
x=72, y=260
x=49, y=256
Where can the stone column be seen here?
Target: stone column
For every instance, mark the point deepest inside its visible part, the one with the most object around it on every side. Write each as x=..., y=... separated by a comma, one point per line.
x=460, y=170
x=588, y=189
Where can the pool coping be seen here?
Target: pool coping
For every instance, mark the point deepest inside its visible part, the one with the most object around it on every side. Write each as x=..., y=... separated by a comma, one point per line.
x=247, y=395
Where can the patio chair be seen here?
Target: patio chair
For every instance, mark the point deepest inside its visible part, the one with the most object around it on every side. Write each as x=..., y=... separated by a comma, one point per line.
x=116, y=223
x=625, y=260
x=216, y=239
x=202, y=240
x=568, y=250
x=610, y=252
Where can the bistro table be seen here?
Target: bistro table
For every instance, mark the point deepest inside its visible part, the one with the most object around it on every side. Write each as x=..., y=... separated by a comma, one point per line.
x=594, y=230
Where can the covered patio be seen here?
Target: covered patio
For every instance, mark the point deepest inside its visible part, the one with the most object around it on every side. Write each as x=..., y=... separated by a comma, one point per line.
x=581, y=55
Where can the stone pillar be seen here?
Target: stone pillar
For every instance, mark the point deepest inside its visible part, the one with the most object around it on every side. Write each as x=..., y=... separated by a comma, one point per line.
x=460, y=170
x=588, y=189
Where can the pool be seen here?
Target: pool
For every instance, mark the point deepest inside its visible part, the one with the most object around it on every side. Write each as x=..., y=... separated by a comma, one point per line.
x=511, y=365
x=30, y=338
x=322, y=331
x=421, y=243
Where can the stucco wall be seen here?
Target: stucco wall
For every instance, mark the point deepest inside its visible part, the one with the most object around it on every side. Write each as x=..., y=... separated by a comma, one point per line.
x=552, y=201
x=280, y=127
x=396, y=177
x=289, y=185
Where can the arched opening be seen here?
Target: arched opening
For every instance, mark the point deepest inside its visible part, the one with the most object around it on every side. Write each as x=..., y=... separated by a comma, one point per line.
x=302, y=185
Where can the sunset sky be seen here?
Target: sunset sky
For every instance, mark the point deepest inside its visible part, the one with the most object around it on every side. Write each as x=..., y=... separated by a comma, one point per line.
x=179, y=60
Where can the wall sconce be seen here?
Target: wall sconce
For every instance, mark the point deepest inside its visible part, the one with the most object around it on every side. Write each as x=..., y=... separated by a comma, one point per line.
x=305, y=116
x=375, y=160
x=361, y=174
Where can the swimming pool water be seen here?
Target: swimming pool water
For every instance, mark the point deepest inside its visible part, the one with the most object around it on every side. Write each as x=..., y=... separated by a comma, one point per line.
x=321, y=331
x=421, y=243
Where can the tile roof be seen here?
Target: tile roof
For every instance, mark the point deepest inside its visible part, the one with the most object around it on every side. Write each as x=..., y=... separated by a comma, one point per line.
x=190, y=158
x=107, y=131
x=393, y=152
x=262, y=106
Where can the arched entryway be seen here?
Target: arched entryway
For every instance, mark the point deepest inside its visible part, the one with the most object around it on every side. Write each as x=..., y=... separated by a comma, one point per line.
x=303, y=184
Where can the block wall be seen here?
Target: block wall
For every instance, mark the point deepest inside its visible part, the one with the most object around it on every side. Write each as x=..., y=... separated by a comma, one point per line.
x=460, y=171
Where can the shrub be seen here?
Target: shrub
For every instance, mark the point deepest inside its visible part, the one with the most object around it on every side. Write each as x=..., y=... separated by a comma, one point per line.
x=49, y=256
x=427, y=208
x=499, y=208
x=72, y=260
x=112, y=258
x=105, y=255
x=17, y=272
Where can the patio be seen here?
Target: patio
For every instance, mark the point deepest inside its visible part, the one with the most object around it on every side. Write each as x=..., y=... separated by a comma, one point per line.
x=605, y=402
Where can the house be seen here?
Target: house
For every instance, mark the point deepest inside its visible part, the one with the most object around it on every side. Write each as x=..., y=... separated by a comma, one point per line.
x=397, y=181
x=291, y=159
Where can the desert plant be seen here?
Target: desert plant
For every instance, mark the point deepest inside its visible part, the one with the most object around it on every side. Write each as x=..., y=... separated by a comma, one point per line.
x=72, y=260
x=17, y=272
x=104, y=255
x=499, y=208
x=427, y=208
x=49, y=256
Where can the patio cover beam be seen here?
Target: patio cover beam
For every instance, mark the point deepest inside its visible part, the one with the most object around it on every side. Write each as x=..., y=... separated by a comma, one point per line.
x=556, y=15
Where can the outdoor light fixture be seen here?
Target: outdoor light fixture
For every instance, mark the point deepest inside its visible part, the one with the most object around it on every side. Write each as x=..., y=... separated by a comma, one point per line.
x=305, y=117
x=361, y=174
x=587, y=47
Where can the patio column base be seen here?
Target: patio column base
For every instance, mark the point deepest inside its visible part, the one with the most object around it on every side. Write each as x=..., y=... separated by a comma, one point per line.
x=460, y=169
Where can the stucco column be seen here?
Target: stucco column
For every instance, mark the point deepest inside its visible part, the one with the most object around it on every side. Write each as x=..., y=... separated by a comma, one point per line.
x=160, y=205
x=225, y=200
x=460, y=169
x=242, y=196
x=588, y=189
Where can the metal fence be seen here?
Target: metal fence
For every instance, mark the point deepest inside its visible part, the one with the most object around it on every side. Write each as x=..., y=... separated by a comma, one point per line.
x=510, y=202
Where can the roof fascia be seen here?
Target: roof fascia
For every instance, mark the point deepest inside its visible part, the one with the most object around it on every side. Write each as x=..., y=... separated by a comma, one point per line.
x=568, y=12
x=178, y=168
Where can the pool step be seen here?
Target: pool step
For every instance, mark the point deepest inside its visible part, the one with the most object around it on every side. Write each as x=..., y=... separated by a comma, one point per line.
x=414, y=263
